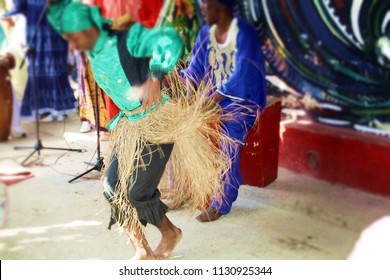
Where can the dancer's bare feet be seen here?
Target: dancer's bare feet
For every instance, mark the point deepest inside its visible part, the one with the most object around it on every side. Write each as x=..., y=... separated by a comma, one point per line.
x=170, y=237
x=141, y=246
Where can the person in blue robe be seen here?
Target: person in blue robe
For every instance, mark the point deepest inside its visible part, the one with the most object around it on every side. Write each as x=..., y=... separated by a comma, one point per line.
x=227, y=53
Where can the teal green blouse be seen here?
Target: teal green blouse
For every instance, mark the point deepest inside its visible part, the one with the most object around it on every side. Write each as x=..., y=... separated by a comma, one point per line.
x=163, y=45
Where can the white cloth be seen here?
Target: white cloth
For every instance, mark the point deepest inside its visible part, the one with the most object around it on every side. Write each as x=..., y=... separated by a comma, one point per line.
x=374, y=242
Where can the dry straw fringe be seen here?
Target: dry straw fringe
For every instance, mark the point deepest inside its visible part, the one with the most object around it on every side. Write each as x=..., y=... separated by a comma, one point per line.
x=199, y=162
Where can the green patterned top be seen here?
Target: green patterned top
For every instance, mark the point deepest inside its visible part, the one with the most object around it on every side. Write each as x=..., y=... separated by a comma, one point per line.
x=163, y=45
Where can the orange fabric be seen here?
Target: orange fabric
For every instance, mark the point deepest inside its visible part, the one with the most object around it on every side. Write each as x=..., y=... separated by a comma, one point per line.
x=145, y=12
x=149, y=12
x=87, y=98
x=112, y=109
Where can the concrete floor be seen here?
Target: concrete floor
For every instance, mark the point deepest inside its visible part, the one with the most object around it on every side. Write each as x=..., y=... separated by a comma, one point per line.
x=296, y=217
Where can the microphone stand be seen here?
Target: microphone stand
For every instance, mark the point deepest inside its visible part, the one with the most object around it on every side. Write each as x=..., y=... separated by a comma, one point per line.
x=98, y=166
x=31, y=51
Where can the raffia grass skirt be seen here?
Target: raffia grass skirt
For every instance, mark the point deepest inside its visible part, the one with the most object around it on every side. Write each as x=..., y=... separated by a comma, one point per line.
x=199, y=161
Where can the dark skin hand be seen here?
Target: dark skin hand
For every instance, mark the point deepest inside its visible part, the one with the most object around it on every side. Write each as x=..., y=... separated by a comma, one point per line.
x=151, y=94
x=216, y=97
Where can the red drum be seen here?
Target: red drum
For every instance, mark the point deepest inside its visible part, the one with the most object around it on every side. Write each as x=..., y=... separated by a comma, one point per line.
x=5, y=103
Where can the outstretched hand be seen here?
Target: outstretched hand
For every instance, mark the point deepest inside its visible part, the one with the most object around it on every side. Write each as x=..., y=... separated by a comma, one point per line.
x=151, y=89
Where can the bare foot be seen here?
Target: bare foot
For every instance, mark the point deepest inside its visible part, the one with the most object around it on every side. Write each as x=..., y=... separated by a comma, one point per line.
x=167, y=245
x=171, y=236
x=142, y=248
x=140, y=256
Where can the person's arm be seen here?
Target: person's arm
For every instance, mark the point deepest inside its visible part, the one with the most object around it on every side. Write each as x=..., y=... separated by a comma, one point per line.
x=164, y=46
x=217, y=96
x=195, y=71
x=151, y=94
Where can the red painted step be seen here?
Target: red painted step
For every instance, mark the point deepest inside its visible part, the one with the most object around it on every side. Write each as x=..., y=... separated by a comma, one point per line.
x=338, y=155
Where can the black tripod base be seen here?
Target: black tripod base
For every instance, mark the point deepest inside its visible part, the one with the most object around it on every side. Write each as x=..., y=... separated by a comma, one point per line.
x=38, y=147
x=98, y=166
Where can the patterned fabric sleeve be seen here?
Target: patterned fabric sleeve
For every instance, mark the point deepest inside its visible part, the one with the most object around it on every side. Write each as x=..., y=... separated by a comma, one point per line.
x=164, y=46
x=196, y=67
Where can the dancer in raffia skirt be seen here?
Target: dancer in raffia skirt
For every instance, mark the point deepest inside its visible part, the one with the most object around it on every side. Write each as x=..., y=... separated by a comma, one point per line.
x=162, y=139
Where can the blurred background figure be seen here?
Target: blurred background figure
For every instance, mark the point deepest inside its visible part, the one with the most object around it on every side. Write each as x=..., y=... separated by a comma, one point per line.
x=87, y=95
x=11, y=52
x=55, y=98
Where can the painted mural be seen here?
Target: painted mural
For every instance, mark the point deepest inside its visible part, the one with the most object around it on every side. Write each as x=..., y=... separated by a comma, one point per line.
x=333, y=52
